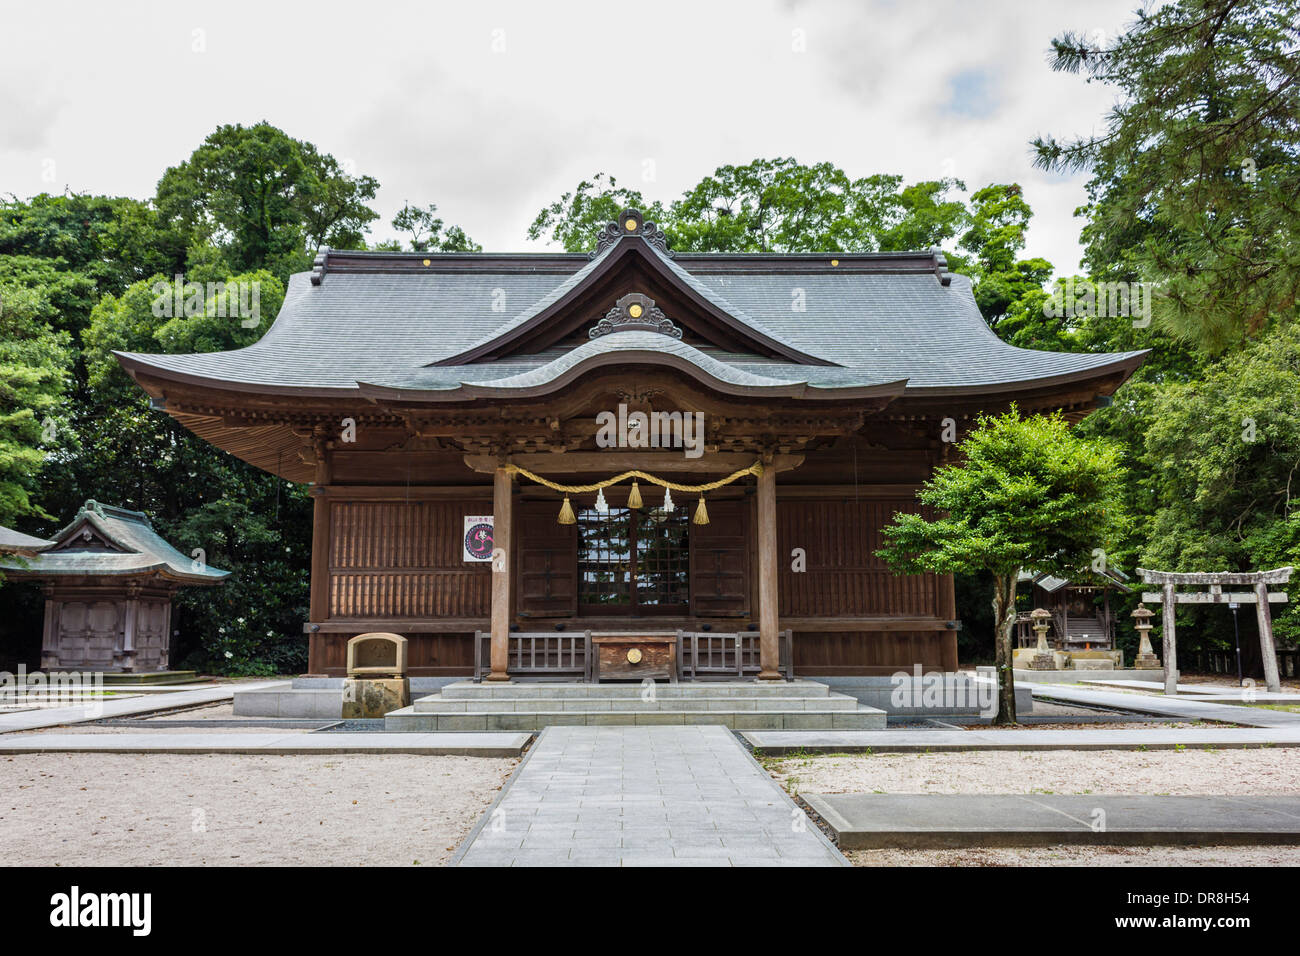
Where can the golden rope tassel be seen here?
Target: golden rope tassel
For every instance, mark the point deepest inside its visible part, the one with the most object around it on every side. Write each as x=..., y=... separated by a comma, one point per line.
x=566, y=513
x=634, y=496
x=701, y=513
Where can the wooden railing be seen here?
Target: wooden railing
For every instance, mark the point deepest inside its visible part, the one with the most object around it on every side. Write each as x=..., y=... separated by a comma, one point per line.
x=544, y=655
x=706, y=655
x=568, y=655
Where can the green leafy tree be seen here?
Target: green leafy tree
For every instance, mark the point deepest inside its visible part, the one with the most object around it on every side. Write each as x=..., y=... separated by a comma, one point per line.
x=1007, y=288
x=1029, y=493
x=98, y=243
x=780, y=205
x=425, y=227
x=769, y=205
x=573, y=220
x=926, y=218
x=265, y=199
x=1224, y=453
x=34, y=365
x=1196, y=184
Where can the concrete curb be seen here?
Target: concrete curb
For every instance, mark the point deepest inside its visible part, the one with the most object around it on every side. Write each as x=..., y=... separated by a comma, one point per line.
x=784, y=742
x=948, y=821
x=440, y=745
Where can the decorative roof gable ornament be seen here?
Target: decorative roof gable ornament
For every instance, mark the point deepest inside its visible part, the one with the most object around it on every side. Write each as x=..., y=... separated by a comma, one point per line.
x=630, y=223
x=635, y=312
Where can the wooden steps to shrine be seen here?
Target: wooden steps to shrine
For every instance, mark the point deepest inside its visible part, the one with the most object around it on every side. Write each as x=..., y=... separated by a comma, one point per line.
x=740, y=705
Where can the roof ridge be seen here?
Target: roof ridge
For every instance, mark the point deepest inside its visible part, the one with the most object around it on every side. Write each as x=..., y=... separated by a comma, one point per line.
x=114, y=511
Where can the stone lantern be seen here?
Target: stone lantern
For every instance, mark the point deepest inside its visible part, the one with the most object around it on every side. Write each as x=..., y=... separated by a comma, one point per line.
x=1146, y=658
x=1043, y=659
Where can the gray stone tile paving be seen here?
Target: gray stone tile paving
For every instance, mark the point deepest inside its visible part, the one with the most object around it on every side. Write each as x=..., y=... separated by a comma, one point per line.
x=437, y=744
x=870, y=821
x=1180, y=708
x=644, y=796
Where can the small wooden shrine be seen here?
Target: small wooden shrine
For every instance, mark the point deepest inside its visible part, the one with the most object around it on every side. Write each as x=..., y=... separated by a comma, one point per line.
x=1080, y=615
x=108, y=579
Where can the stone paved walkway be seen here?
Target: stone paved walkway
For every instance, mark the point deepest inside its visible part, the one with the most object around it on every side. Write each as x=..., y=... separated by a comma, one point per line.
x=644, y=796
x=1180, y=708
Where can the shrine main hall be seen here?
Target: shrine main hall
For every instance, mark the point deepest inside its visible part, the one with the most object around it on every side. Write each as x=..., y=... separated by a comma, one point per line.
x=516, y=457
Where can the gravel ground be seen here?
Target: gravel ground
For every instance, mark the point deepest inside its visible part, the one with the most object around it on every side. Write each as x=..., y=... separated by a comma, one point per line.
x=237, y=809
x=1265, y=771
x=1084, y=856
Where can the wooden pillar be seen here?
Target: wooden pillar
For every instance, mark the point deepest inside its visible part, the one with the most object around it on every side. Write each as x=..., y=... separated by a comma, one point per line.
x=50, y=636
x=769, y=641
x=1168, y=609
x=501, y=505
x=131, y=610
x=1266, y=648
x=167, y=631
x=320, y=556
x=319, y=601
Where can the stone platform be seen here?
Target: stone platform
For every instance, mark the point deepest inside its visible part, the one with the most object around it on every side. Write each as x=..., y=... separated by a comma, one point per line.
x=871, y=821
x=748, y=705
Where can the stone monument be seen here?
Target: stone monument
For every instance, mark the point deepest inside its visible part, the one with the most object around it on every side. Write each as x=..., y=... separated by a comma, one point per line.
x=1146, y=658
x=1043, y=659
x=376, y=683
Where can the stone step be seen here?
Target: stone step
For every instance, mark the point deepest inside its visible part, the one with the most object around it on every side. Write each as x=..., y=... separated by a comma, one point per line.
x=557, y=689
x=441, y=704
x=409, y=720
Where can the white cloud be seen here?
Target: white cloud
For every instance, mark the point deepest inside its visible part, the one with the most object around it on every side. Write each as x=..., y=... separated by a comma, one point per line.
x=422, y=96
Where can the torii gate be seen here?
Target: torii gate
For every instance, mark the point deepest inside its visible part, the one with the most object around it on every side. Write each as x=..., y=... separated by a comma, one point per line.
x=1259, y=595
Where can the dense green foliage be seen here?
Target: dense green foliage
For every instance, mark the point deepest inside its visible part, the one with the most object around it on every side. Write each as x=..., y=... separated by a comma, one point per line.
x=82, y=276
x=1196, y=178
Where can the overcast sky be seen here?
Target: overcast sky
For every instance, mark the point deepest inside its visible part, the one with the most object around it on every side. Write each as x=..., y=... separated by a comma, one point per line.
x=491, y=110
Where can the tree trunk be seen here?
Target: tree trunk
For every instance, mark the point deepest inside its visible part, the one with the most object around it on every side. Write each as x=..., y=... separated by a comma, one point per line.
x=1004, y=624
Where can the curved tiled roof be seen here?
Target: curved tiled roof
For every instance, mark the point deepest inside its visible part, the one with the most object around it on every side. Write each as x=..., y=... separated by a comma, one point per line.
x=103, y=540
x=632, y=348
x=393, y=320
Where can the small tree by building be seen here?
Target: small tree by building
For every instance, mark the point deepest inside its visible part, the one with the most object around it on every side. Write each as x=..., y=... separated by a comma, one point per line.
x=1027, y=492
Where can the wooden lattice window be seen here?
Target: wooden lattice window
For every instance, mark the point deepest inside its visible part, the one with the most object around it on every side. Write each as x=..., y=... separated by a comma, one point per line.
x=632, y=562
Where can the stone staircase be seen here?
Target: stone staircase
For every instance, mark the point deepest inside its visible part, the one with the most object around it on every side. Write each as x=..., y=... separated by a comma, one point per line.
x=747, y=705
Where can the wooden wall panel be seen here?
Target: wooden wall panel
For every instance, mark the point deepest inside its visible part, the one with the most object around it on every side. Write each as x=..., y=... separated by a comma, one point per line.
x=399, y=559
x=546, y=567
x=853, y=653
x=719, y=560
x=843, y=575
